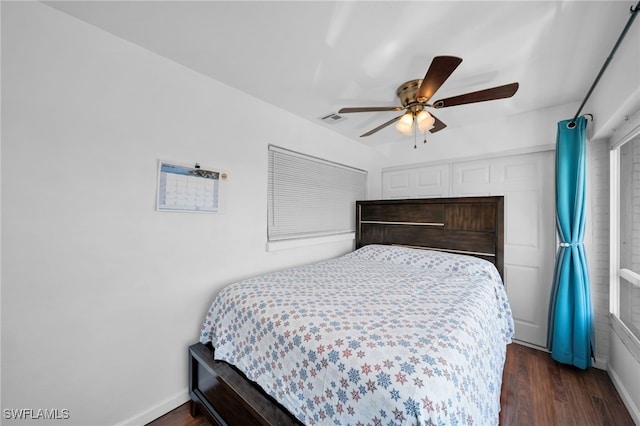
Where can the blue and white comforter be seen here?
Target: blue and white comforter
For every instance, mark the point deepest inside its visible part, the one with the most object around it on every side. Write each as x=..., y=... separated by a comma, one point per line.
x=381, y=336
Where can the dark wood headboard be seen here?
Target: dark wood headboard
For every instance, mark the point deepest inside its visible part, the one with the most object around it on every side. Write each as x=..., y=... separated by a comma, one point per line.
x=465, y=225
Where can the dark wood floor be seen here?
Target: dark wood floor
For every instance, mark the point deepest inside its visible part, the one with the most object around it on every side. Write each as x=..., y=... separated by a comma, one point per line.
x=535, y=391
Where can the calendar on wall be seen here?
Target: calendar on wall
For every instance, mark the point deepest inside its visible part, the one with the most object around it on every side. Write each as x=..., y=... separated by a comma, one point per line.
x=189, y=188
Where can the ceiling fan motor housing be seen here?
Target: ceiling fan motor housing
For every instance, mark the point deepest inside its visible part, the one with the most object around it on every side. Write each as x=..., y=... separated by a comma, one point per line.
x=407, y=94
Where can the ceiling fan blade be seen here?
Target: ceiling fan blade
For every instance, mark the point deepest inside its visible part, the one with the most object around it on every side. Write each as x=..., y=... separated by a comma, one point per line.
x=382, y=126
x=437, y=125
x=440, y=69
x=499, y=92
x=369, y=109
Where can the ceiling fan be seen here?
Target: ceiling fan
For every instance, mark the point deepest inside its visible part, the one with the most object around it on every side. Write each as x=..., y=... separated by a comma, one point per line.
x=415, y=95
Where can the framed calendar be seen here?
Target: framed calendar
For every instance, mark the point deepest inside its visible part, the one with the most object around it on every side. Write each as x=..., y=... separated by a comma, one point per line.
x=189, y=188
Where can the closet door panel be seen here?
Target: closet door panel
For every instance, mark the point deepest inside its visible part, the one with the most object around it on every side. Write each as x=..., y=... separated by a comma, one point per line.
x=527, y=183
x=422, y=182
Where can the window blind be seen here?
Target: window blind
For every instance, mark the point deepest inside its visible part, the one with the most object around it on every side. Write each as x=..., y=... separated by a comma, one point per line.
x=310, y=197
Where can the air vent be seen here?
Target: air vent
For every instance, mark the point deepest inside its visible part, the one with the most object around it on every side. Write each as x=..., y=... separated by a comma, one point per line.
x=332, y=118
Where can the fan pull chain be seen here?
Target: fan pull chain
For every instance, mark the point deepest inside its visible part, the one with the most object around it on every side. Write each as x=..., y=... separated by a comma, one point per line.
x=415, y=137
x=415, y=132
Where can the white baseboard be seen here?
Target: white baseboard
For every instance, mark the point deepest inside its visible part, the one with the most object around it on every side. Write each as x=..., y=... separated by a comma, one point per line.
x=600, y=364
x=530, y=345
x=634, y=411
x=157, y=411
x=624, y=360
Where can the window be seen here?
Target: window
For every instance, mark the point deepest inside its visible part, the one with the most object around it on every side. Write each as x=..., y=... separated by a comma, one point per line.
x=626, y=232
x=311, y=197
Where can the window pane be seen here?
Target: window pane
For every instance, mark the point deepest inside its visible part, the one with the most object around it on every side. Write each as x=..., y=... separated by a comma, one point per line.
x=310, y=197
x=630, y=235
x=630, y=205
x=630, y=306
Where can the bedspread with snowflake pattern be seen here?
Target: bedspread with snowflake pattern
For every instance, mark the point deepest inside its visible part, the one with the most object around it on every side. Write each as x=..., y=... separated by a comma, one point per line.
x=381, y=336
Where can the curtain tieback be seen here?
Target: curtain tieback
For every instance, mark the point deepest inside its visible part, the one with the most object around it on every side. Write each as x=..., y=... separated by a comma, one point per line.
x=571, y=244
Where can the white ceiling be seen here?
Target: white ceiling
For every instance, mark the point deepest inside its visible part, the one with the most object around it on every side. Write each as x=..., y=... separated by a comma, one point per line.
x=312, y=58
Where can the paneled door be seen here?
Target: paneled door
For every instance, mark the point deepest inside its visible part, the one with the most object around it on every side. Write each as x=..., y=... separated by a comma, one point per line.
x=422, y=182
x=527, y=183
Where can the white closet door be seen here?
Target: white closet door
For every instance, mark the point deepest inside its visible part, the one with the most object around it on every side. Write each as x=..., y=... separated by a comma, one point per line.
x=527, y=183
x=423, y=182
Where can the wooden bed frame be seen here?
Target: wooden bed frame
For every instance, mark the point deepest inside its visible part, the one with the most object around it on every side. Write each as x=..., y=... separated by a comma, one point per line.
x=465, y=225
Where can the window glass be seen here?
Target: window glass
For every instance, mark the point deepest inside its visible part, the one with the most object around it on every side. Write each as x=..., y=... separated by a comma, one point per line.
x=629, y=222
x=630, y=306
x=630, y=205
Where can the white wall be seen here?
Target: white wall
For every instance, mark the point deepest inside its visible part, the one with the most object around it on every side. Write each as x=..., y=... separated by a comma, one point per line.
x=101, y=294
x=597, y=243
x=617, y=94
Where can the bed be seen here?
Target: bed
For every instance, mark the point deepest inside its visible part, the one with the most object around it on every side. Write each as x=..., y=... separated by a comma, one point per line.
x=390, y=333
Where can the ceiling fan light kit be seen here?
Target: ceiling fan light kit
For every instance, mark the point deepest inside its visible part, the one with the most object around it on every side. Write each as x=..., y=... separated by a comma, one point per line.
x=414, y=96
x=423, y=118
x=425, y=121
x=405, y=124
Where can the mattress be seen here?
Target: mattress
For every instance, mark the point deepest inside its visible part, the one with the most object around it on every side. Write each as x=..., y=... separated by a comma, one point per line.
x=383, y=335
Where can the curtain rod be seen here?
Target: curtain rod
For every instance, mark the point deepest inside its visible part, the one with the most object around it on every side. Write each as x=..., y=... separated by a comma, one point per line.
x=634, y=12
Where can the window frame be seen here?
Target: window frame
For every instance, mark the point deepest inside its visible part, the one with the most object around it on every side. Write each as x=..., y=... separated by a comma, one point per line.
x=616, y=272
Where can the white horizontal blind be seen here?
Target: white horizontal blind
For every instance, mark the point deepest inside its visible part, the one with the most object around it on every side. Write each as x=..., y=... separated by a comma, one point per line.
x=310, y=197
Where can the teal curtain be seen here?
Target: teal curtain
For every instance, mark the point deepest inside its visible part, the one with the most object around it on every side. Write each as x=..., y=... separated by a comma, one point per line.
x=571, y=330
